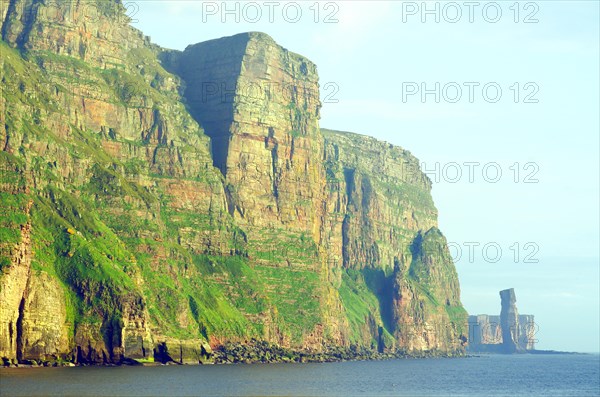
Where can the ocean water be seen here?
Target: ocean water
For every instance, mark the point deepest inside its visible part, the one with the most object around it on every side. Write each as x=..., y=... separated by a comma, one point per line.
x=489, y=375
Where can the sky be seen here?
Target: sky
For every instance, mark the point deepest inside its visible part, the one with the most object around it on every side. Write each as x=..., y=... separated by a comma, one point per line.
x=498, y=100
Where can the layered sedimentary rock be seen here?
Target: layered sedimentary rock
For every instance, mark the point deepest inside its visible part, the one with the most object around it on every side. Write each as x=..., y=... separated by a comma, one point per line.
x=378, y=201
x=177, y=201
x=84, y=117
x=14, y=277
x=260, y=105
x=381, y=222
x=96, y=31
x=43, y=322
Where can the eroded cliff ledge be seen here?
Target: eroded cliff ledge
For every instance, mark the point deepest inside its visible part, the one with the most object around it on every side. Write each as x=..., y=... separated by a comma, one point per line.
x=158, y=204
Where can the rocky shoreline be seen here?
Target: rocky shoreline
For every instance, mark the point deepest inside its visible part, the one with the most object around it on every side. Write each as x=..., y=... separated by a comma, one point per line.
x=263, y=352
x=257, y=352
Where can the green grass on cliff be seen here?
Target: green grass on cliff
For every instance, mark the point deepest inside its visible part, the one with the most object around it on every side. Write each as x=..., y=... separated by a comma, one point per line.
x=239, y=282
x=367, y=302
x=458, y=315
x=277, y=246
x=88, y=233
x=295, y=297
x=91, y=274
x=215, y=298
x=84, y=248
x=13, y=215
x=432, y=273
x=359, y=303
x=13, y=205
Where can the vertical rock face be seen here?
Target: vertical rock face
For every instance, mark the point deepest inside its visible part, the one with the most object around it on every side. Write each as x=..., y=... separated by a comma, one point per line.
x=433, y=314
x=44, y=327
x=135, y=333
x=378, y=200
x=509, y=321
x=12, y=289
x=381, y=221
x=164, y=231
x=260, y=105
x=33, y=323
x=359, y=202
x=211, y=72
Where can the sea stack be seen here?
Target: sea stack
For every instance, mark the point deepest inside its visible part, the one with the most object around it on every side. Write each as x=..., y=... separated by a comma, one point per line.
x=509, y=321
x=510, y=332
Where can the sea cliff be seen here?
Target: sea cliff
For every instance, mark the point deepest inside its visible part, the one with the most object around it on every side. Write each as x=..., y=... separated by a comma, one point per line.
x=162, y=205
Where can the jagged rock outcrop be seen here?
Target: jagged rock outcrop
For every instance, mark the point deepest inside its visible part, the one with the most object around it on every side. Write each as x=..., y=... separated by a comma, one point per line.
x=177, y=201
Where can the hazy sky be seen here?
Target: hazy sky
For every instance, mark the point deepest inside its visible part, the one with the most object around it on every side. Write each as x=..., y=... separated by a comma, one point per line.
x=512, y=146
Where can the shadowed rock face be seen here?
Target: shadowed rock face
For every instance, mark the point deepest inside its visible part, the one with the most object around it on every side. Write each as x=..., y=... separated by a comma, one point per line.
x=175, y=210
x=260, y=105
x=211, y=72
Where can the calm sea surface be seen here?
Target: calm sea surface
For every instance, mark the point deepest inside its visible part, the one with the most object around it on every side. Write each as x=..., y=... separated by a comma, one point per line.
x=523, y=375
